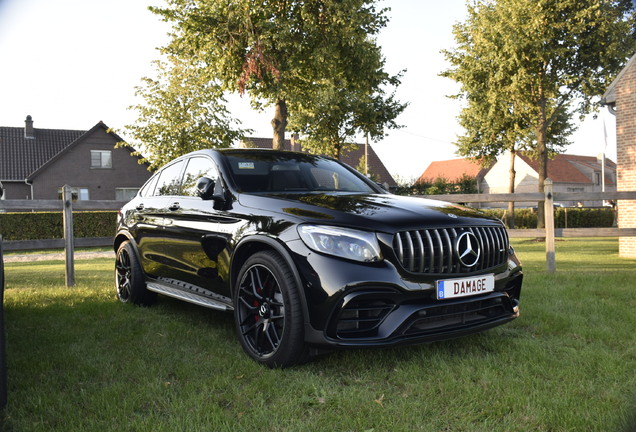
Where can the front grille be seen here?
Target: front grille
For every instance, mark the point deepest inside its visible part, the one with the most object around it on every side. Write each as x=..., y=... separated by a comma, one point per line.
x=433, y=250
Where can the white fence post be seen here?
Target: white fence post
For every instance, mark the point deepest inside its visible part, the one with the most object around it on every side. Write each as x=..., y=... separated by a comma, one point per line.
x=549, y=227
x=67, y=197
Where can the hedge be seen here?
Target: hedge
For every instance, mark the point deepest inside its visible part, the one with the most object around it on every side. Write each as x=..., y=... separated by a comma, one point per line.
x=49, y=225
x=575, y=217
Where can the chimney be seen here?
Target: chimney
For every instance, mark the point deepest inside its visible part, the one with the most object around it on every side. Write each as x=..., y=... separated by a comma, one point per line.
x=295, y=143
x=28, y=128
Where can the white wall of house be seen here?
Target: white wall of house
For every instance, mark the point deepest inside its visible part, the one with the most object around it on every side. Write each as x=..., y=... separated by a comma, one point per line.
x=527, y=180
x=497, y=179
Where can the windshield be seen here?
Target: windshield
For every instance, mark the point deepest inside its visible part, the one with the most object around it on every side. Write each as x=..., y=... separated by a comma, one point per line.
x=292, y=172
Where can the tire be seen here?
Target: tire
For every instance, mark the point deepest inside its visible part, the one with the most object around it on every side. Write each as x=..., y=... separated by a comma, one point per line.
x=129, y=278
x=268, y=311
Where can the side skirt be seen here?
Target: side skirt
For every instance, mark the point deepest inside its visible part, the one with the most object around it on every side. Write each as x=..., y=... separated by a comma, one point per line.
x=190, y=294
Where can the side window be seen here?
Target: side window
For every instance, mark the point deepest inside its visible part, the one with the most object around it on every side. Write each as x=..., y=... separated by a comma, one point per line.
x=169, y=182
x=149, y=188
x=197, y=167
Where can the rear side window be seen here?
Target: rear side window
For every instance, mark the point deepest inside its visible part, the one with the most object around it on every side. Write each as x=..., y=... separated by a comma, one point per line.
x=169, y=182
x=149, y=188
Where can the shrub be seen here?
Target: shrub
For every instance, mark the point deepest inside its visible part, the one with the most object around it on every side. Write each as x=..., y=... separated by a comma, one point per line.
x=564, y=217
x=49, y=225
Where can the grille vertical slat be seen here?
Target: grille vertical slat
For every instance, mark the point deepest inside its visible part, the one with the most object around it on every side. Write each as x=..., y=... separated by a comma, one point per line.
x=480, y=237
x=420, y=247
x=431, y=260
x=433, y=250
x=491, y=246
x=397, y=246
x=448, y=245
x=409, y=251
x=440, y=248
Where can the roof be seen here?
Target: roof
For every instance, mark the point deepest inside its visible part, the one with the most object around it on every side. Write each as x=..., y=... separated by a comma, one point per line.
x=351, y=157
x=453, y=170
x=609, y=98
x=21, y=156
x=564, y=168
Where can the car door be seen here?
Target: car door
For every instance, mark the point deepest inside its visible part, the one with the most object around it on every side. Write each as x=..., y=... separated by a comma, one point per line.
x=150, y=212
x=192, y=238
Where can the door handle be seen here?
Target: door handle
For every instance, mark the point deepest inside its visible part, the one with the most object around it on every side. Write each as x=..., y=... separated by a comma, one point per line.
x=174, y=206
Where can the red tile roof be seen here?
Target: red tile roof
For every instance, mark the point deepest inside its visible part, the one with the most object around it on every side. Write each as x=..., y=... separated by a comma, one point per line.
x=563, y=168
x=452, y=170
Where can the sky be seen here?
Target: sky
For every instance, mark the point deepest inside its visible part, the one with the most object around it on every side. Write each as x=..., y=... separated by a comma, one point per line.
x=72, y=63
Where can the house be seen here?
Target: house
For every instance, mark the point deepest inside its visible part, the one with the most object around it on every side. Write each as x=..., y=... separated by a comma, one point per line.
x=569, y=173
x=453, y=170
x=351, y=157
x=37, y=163
x=620, y=97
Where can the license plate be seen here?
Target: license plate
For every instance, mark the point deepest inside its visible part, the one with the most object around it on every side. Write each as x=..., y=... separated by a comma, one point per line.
x=454, y=288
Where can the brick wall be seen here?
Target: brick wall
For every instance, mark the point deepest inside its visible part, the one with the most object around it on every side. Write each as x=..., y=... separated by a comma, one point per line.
x=626, y=155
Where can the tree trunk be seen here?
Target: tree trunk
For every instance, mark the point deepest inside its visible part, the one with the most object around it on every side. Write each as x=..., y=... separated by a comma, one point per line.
x=511, y=189
x=542, y=152
x=279, y=124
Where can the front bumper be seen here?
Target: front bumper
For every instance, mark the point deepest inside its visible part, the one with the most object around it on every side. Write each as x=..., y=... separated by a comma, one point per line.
x=384, y=319
x=357, y=305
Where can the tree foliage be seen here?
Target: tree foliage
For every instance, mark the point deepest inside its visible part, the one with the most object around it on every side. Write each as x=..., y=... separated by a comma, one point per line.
x=314, y=60
x=526, y=68
x=183, y=111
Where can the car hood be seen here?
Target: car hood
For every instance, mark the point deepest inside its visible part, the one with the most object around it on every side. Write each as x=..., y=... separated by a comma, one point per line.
x=381, y=212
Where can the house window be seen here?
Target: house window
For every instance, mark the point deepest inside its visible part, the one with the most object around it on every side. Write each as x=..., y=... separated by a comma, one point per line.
x=101, y=159
x=78, y=194
x=597, y=178
x=125, y=194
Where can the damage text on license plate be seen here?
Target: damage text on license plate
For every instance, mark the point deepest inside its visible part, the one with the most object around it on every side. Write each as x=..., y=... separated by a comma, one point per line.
x=462, y=287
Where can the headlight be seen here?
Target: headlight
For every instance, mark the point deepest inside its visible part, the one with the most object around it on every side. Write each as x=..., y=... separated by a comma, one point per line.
x=341, y=242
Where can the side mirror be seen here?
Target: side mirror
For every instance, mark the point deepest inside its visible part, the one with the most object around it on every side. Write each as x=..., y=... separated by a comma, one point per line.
x=209, y=189
x=205, y=187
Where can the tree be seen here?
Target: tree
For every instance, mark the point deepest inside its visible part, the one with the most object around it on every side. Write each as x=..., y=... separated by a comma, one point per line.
x=313, y=59
x=183, y=111
x=333, y=112
x=527, y=67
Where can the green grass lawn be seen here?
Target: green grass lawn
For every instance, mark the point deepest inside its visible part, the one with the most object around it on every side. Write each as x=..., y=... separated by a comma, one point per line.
x=80, y=361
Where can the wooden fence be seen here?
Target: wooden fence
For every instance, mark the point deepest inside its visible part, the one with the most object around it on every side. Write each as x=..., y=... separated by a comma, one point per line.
x=67, y=206
x=548, y=198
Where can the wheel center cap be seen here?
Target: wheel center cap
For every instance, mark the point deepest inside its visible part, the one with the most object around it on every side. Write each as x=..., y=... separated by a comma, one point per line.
x=263, y=310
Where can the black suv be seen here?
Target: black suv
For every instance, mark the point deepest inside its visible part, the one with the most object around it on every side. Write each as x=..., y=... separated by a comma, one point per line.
x=310, y=254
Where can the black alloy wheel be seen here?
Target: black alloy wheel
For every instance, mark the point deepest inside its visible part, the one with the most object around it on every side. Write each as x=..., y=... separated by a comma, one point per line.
x=268, y=312
x=129, y=278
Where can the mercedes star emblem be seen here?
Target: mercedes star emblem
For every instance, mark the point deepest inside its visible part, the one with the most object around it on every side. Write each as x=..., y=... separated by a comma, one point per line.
x=467, y=249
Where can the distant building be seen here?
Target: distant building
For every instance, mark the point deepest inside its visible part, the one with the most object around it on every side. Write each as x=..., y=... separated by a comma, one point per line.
x=37, y=163
x=453, y=170
x=351, y=157
x=569, y=173
x=620, y=97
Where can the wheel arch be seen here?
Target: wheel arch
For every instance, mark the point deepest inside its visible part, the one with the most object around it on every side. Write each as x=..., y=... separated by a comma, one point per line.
x=256, y=243
x=121, y=237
